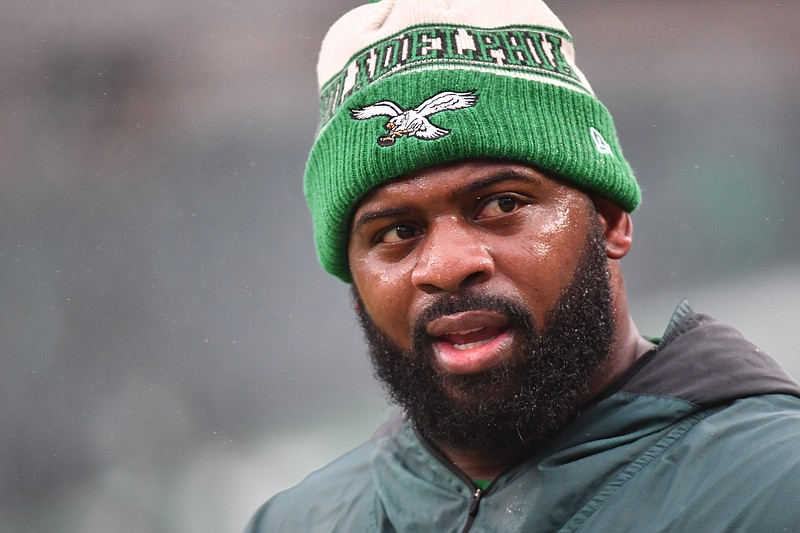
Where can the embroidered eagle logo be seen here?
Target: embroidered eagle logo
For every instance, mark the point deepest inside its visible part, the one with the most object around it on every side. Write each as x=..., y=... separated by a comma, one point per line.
x=414, y=122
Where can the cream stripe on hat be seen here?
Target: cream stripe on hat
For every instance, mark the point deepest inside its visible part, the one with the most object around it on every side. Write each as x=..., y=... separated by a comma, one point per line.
x=371, y=23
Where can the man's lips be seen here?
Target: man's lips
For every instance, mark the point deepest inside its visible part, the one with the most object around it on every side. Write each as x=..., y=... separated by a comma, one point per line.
x=471, y=341
x=472, y=338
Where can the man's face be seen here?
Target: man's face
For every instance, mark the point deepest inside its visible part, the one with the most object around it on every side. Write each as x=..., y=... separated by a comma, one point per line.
x=483, y=291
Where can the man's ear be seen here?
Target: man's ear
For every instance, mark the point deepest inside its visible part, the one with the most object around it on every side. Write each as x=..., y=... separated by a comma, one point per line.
x=617, y=226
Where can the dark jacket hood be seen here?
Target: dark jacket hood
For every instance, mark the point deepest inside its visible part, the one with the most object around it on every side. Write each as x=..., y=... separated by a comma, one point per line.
x=707, y=363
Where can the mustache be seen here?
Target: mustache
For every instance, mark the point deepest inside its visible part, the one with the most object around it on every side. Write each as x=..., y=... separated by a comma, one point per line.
x=449, y=304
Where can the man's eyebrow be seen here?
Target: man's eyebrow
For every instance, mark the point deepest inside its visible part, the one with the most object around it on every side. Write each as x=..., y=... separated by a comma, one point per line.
x=500, y=177
x=471, y=188
x=370, y=216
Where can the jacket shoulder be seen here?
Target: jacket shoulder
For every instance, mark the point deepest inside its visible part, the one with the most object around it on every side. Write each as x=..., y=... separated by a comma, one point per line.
x=744, y=466
x=337, y=497
x=736, y=469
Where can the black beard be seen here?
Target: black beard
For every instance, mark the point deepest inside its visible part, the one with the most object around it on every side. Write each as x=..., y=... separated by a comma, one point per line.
x=529, y=397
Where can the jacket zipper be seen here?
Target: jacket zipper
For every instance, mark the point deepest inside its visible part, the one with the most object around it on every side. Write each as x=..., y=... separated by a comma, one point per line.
x=477, y=494
x=476, y=501
x=473, y=509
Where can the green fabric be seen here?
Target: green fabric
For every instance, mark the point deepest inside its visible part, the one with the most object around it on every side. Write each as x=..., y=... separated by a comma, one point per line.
x=482, y=484
x=530, y=106
x=542, y=125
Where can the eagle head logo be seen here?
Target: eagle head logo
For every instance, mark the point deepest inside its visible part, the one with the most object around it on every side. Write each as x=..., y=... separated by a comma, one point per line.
x=414, y=122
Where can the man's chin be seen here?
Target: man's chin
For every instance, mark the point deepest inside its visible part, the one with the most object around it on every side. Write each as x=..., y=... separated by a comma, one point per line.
x=495, y=387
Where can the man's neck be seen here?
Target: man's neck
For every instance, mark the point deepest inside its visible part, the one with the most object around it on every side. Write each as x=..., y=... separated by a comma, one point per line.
x=484, y=464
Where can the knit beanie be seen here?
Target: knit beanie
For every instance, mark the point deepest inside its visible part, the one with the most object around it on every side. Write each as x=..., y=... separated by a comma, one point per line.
x=408, y=84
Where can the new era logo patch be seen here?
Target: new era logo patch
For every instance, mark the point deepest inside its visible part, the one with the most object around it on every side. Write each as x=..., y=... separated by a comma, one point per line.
x=600, y=142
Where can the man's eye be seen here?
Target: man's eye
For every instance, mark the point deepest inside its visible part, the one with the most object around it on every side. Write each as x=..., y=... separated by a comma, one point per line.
x=500, y=205
x=398, y=233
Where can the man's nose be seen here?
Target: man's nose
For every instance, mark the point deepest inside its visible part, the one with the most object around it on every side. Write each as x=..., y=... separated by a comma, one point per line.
x=451, y=258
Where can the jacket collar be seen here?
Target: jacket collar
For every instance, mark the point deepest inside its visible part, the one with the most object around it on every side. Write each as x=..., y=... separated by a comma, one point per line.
x=707, y=363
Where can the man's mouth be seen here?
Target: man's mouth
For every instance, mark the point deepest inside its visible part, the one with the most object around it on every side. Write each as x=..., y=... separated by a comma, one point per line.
x=471, y=338
x=470, y=342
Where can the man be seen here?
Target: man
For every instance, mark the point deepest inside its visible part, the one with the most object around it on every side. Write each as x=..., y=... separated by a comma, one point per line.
x=470, y=186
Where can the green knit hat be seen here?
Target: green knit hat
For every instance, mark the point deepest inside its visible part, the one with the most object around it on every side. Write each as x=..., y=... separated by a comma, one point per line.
x=408, y=84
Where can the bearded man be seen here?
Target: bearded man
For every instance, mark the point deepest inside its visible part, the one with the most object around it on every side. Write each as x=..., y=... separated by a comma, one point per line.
x=482, y=236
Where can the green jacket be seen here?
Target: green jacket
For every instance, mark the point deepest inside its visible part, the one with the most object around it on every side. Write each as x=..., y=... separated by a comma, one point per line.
x=703, y=435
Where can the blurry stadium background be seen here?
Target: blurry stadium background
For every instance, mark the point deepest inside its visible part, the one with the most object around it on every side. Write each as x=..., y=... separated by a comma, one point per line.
x=171, y=352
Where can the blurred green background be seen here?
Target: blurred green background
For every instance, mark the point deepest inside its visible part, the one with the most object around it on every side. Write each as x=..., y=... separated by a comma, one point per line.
x=171, y=352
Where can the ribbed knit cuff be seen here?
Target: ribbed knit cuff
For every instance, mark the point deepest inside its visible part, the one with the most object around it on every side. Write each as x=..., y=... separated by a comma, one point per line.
x=560, y=129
